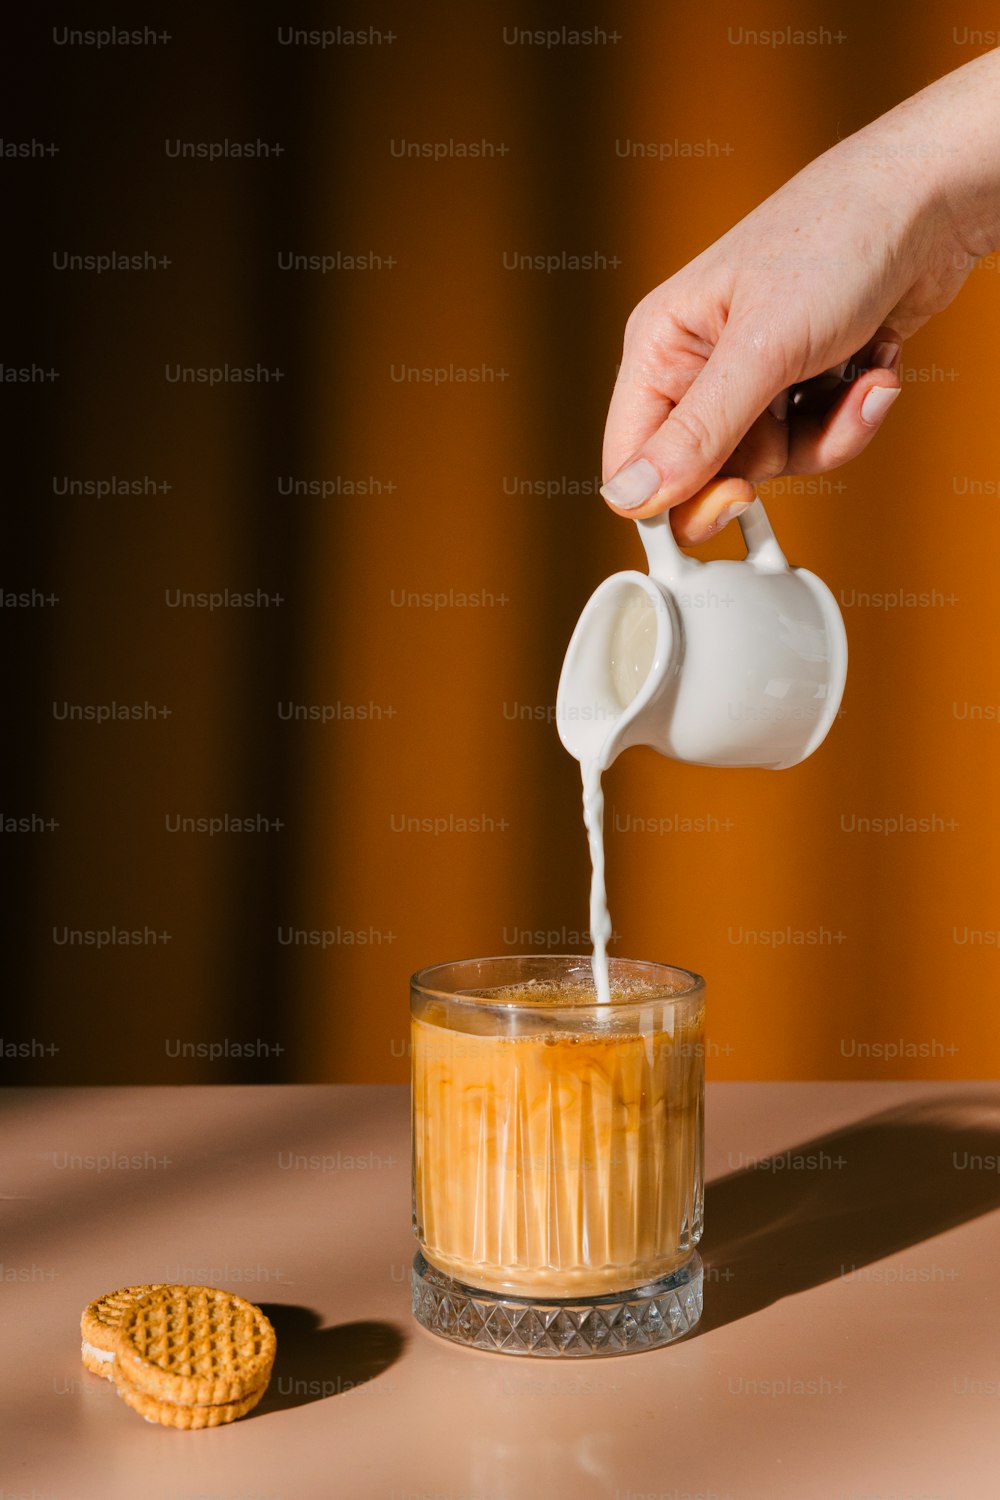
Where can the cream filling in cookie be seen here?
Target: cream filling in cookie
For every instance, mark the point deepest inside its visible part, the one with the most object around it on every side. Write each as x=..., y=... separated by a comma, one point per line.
x=105, y=1356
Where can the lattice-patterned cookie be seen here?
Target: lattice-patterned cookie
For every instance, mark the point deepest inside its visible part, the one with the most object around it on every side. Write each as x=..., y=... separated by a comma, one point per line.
x=101, y=1323
x=193, y=1356
x=189, y=1418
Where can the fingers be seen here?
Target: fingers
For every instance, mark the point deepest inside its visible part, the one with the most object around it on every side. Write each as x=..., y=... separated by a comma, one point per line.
x=718, y=429
x=692, y=439
x=637, y=410
x=809, y=444
x=714, y=506
x=651, y=378
x=762, y=454
x=825, y=440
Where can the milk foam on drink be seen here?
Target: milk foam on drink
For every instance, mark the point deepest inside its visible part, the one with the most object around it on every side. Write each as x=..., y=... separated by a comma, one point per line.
x=633, y=647
x=563, y=1159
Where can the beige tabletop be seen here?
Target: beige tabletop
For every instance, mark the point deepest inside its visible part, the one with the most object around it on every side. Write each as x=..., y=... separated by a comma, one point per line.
x=849, y=1349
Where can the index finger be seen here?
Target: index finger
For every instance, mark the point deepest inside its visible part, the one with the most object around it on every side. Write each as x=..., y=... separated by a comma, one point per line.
x=640, y=404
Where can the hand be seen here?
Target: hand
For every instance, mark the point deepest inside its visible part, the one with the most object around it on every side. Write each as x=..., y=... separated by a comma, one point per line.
x=776, y=351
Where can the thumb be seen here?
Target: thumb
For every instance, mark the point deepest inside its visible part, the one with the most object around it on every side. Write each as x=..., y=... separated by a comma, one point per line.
x=692, y=444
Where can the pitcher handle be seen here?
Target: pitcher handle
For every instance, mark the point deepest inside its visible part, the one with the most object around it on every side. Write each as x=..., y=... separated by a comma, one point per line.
x=761, y=543
x=667, y=561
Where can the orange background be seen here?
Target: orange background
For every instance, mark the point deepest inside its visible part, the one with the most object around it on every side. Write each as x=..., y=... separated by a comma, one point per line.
x=468, y=687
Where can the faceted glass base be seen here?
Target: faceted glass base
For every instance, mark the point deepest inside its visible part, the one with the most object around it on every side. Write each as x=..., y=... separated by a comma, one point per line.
x=561, y=1328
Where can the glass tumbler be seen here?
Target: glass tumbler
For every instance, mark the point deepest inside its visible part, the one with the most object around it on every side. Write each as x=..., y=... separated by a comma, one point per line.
x=557, y=1154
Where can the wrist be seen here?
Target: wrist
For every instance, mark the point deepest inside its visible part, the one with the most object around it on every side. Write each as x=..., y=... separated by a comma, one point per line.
x=951, y=133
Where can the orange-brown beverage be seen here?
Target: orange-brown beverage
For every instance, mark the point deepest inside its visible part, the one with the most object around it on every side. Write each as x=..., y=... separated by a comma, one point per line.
x=557, y=1142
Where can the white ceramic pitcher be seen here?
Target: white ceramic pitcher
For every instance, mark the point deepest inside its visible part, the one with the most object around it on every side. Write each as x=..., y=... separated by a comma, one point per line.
x=722, y=663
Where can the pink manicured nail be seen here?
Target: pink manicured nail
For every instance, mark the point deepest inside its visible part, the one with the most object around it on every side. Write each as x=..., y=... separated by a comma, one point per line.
x=885, y=357
x=779, y=406
x=877, y=403
x=633, y=485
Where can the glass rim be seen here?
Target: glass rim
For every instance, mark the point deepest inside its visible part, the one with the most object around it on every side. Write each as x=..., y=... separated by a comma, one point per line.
x=422, y=981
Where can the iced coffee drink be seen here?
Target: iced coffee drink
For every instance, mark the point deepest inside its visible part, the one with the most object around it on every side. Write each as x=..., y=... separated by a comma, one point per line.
x=557, y=1146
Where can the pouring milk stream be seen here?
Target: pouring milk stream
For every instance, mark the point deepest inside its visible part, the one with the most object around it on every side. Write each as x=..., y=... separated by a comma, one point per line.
x=724, y=663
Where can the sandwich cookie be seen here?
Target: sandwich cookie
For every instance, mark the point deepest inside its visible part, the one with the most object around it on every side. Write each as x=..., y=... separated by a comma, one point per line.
x=192, y=1356
x=100, y=1324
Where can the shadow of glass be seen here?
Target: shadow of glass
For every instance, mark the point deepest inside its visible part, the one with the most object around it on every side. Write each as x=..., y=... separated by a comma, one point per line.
x=841, y=1201
x=314, y=1363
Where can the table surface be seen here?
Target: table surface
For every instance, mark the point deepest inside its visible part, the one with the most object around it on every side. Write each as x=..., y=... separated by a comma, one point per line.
x=848, y=1349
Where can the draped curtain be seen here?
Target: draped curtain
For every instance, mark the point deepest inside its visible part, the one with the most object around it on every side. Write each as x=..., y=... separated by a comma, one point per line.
x=352, y=772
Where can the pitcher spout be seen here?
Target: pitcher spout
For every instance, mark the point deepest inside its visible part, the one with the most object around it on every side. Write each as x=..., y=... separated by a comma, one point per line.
x=619, y=658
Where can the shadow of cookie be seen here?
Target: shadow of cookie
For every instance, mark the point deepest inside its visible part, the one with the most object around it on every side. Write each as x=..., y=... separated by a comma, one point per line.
x=314, y=1363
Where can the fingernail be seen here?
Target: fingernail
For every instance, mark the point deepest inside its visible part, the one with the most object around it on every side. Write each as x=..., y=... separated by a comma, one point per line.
x=877, y=403
x=885, y=357
x=779, y=406
x=633, y=485
x=731, y=512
